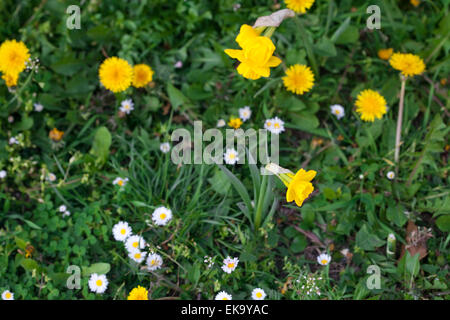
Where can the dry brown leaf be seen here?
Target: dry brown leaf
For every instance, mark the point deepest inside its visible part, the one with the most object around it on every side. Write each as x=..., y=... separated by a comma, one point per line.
x=416, y=240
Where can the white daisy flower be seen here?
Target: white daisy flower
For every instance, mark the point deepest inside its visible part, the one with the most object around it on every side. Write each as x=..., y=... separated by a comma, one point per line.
x=121, y=231
x=324, y=259
x=98, y=283
x=178, y=64
x=120, y=181
x=127, y=106
x=361, y=176
x=161, y=216
x=245, y=113
x=154, y=262
x=2, y=174
x=51, y=177
x=222, y=295
x=38, y=107
x=13, y=140
x=135, y=242
x=268, y=124
x=390, y=175
x=137, y=255
x=7, y=295
x=229, y=264
x=258, y=294
x=278, y=125
x=164, y=147
x=338, y=111
x=62, y=208
x=231, y=156
x=66, y=213
x=221, y=123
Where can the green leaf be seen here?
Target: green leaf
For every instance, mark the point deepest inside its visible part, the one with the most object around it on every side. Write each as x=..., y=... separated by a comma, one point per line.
x=395, y=213
x=101, y=145
x=412, y=264
x=443, y=223
x=349, y=35
x=176, y=97
x=29, y=264
x=299, y=243
x=241, y=190
x=367, y=240
x=220, y=182
x=325, y=48
x=99, y=268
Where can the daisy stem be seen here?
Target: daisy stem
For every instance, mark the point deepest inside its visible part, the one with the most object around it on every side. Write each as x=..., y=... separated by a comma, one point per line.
x=262, y=195
x=398, y=134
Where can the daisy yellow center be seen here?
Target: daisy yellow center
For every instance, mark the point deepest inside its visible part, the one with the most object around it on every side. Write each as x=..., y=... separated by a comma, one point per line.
x=99, y=283
x=137, y=255
x=120, y=182
x=126, y=106
x=232, y=156
x=324, y=261
x=224, y=298
x=337, y=112
x=135, y=244
x=123, y=231
x=8, y=295
x=258, y=294
x=162, y=216
x=276, y=125
x=269, y=124
x=153, y=262
x=230, y=265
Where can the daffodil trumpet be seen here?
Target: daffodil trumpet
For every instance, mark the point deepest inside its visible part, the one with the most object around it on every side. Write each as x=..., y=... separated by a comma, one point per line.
x=299, y=185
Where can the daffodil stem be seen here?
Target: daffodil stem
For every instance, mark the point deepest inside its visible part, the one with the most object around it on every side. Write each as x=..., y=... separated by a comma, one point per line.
x=398, y=134
x=269, y=31
x=259, y=205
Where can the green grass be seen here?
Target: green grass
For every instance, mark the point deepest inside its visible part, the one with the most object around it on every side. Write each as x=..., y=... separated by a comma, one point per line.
x=276, y=242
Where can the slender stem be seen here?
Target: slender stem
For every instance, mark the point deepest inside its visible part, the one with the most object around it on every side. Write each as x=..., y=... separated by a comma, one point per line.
x=398, y=134
x=262, y=195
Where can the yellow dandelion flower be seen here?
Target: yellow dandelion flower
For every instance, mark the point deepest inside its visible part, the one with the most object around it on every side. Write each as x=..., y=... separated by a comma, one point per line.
x=116, y=74
x=10, y=79
x=56, y=135
x=299, y=186
x=409, y=64
x=385, y=54
x=235, y=123
x=415, y=3
x=299, y=6
x=143, y=74
x=370, y=105
x=13, y=56
x=256, y=56
x=299, y=79
x=138, y=293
